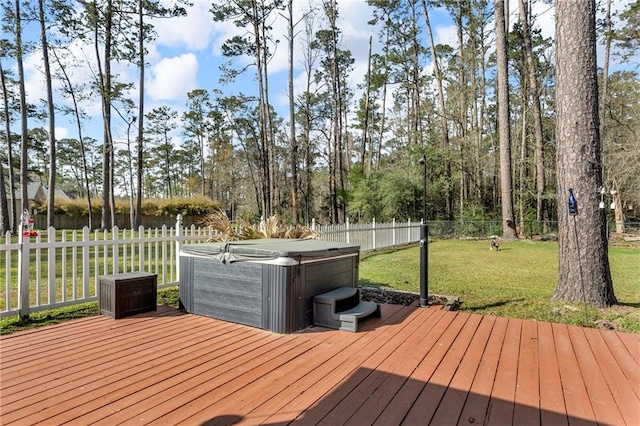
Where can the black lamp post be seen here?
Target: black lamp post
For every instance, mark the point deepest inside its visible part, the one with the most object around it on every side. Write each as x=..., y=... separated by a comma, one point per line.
x=424, y=240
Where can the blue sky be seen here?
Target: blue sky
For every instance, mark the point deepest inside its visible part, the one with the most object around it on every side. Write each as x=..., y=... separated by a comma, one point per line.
x=186, y=55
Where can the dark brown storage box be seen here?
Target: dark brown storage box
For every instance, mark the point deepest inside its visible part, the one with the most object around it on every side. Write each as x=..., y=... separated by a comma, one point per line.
x=127, y=294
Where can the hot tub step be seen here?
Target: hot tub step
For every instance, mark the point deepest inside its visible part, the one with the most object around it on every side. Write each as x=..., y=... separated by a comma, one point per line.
x=342, y=308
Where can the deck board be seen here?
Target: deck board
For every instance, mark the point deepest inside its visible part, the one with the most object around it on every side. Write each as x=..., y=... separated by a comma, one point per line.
x=602, y=402
x=412, y=366
x=142, y=389
x=82, y=372
x=574, y=389
x=404, y=399
x=622, y=392
x=373, y=391
x=475, y=408
x=435, y=387
x=319, y=380
x=632, y=342
x=355, y=371
x=552, y=405
x=457, y=392
x=501, y=404
x=527, y=397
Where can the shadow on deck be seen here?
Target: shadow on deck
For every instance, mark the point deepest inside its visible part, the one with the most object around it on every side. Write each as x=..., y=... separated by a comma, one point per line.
x=412, y=366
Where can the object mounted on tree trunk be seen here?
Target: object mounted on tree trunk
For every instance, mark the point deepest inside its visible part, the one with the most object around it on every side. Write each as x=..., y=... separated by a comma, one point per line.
x=573, y=204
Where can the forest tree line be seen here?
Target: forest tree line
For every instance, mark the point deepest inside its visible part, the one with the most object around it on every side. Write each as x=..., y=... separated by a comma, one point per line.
x=482, y=110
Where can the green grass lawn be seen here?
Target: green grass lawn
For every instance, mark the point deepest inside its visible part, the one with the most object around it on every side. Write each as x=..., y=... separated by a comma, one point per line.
x=517, y=281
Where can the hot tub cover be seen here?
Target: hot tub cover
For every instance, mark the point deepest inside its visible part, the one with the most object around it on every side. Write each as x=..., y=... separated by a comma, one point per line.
x=270, y=249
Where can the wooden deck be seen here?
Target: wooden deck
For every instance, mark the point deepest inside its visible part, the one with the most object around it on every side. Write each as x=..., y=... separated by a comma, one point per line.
x=413, y=366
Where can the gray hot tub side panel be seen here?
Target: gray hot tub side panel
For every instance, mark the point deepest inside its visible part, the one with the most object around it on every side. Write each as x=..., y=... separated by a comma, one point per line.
x=228, y=292
x=325, y=276
x=282, y=289
x=288, y=291
x=185, y=288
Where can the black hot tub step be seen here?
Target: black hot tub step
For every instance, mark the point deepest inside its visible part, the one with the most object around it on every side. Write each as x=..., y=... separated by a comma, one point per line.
x=342, y=308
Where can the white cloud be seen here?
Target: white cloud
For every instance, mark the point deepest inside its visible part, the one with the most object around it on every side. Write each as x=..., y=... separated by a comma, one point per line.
x=197, y=32
x=34, y=78
x=543, y=14
x=353, y=19
x=446, y=35
x=193, y=32
x=153, y=55
x=172, y=78
x=62, y=133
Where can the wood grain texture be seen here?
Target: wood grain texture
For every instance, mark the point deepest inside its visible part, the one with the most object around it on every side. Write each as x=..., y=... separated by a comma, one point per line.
x=412, y=366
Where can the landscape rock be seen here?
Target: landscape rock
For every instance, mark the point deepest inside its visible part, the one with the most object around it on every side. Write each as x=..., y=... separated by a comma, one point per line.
x=393, y=297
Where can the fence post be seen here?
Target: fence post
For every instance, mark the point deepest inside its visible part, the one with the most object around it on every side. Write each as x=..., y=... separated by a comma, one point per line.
x=164, y=254
x=393, y=236
x=86, y=271
x=373, y=232
x=115, y=250
x=38, y=277
x=141, y=248
x=23, y=269
x=347, y=228
x=179, y=233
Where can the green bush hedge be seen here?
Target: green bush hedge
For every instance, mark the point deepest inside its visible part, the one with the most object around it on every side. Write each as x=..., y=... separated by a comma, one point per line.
x=192, y=206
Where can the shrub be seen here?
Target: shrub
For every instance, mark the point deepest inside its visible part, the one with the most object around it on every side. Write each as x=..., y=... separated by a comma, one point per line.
x=195, y=206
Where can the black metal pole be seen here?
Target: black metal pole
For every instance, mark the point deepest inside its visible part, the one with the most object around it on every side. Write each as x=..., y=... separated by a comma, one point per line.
x=424, y=240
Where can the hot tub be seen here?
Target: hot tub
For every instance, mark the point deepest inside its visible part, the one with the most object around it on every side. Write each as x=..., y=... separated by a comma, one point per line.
x=268, y=284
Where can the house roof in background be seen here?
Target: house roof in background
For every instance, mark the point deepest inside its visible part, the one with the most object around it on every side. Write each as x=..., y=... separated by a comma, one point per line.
x=37, y=191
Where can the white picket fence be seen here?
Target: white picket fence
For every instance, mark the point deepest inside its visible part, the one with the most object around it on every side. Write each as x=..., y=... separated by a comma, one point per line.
x=49, y=272
x=371, y=236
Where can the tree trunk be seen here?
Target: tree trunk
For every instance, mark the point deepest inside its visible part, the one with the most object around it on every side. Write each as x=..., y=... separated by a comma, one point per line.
x=522, y=169
x=537, y=115
x=383, y=107
x=140, y=158
x=24, y=129
x=416, y=101
x=265, y=143
x=4, y=205
x=584, y=273
x=506, y=182
x=268, y=116
x=463, y=108
x=132, y=207
x=105, y=94
x=444, y=127
x=78, y=120
x=9, y=219
x=605, y=69
x=292, y=123
x=51, y=116
x=336, y=119
x=367, y=158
